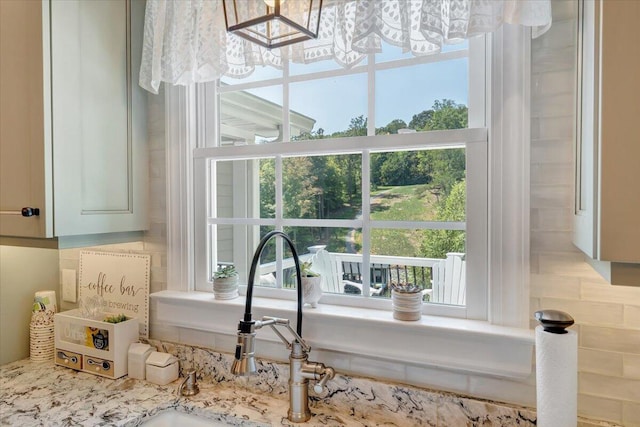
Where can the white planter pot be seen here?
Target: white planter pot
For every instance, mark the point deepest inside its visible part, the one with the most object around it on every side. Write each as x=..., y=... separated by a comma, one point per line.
x=406, y=306
x=311, y=290
x=225, y=288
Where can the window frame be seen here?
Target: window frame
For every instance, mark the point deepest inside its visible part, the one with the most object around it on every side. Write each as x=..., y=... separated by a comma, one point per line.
x=459, y=341
x=476, y=149
x=473, y=139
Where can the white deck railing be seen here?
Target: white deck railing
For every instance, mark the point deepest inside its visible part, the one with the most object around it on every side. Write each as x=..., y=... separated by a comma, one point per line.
x=393, y=268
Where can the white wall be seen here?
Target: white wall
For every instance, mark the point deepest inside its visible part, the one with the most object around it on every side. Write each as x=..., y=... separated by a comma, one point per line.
x=23, y=271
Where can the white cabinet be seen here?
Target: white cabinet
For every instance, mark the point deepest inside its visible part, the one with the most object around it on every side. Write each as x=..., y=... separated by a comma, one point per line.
x=607, y=211
x=73, y=119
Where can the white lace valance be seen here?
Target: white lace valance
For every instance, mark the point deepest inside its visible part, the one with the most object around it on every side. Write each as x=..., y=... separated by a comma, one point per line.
x=185, y=41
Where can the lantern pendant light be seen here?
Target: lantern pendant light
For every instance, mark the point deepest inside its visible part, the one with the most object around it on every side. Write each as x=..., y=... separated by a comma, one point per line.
x=273, y=23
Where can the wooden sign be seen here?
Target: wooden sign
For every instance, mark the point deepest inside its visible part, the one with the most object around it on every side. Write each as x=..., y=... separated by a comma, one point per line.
x=122, y=280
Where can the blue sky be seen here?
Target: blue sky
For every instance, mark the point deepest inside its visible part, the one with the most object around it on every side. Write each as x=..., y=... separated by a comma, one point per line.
x=400, y=93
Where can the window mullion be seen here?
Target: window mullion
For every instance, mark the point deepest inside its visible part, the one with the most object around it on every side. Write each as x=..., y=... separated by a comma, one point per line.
x=286, y=116
x=371, y=98
x=279, y=216
x=366, y=216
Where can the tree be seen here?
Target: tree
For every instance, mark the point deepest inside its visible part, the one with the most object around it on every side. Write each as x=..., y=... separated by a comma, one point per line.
x=392, y=127
x=437, y=243
x=446, y=114
x=419, y=121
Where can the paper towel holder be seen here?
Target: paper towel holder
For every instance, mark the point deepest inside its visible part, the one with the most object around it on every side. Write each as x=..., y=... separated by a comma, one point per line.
x=554, y=321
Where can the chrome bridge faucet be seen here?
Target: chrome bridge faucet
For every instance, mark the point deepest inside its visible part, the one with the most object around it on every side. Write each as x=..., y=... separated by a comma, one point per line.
x=301, y=370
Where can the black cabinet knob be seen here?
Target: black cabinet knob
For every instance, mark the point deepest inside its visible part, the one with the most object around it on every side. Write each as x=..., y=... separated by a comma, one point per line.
x=30, y=211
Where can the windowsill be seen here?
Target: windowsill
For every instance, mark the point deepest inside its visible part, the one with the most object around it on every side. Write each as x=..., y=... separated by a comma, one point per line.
x=470, y=346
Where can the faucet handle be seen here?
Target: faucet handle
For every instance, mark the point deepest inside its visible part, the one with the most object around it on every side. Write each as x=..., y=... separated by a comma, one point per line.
x=327, y=374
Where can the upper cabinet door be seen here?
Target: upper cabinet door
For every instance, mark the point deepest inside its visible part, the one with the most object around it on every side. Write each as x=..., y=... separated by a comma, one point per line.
x=607, y=214
x=25, y=145
x=98, y=117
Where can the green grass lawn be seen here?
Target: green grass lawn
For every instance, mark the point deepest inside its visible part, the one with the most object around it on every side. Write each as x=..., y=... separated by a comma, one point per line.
x=406, y=203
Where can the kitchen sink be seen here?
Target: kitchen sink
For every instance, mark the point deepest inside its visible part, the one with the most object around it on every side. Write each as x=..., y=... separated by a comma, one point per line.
x=173, y=418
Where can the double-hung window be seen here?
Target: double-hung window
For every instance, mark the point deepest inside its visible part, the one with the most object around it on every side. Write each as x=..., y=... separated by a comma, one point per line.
x=388, y=170
x=379, y=173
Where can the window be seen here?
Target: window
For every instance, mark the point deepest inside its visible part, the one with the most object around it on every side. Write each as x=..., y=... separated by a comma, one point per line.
x=501, y=345
x=381, y=168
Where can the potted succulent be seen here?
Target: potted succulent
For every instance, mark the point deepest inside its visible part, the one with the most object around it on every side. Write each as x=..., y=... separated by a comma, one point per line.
x=311, y=284
x=407, y=301
x=225, y=282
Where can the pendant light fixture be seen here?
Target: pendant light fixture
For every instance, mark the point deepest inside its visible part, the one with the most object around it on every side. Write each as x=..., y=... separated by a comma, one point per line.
x=273, y=23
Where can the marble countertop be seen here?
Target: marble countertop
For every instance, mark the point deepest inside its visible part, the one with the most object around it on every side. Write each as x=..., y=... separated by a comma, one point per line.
x=42, y=394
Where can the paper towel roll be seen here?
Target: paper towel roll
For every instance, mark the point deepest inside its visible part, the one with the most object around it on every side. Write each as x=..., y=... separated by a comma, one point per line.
x=45, y=301
x=557, y=378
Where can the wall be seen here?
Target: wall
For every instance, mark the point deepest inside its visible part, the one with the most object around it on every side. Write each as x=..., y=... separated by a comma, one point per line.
x=607, y=317
x=20, y=278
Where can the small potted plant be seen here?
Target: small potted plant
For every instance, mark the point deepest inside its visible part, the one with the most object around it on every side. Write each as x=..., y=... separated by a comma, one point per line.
x=311, y=284
x=407, y=301
x=225, y=282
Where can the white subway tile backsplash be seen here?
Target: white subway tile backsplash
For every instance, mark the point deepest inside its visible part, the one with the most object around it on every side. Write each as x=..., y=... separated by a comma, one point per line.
x=587, y=312
x=553, y=83
x=565, y=264
x=610, y=339
x=341, y=362
x=547, y=241
x=550, y=173
x=564, y=10
x=552, y=59
x=162, y=332
x=631, y=366
x=632, y=316
x=554, y=127
x=551, y=196
x=563, y=31
x=553, y=286
x=631, y=414
x=439, y=379
x=197, y=338
x=609, y=387
x=600, y=362
x=378, y=369
x=520, y=392
x=598, y=289
x=551, y=219
x=600, y=408
x=557, y=151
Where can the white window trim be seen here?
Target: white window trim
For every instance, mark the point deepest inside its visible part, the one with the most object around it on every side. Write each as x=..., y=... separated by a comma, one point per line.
x=476, y=150
x=500, y=346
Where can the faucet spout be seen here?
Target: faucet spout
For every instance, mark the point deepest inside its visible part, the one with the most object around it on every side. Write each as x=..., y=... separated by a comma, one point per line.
x=244, y=363
x=252, y=274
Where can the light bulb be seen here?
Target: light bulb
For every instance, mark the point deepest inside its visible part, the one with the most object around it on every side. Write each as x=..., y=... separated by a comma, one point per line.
x=272, y=3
